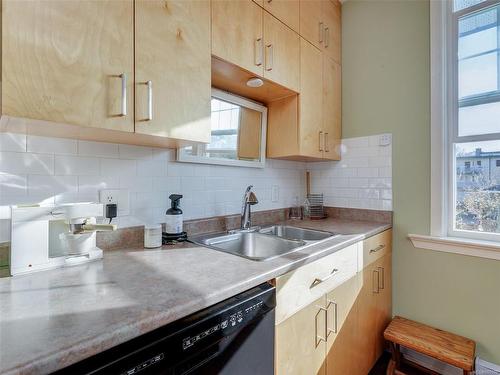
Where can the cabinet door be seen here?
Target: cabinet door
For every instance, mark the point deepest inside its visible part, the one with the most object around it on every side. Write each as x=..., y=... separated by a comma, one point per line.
x=332, y=29
x=237, y=33
x=367, y=318
x=310, y=101
x=287, y=11
x=301, y=341
x=282, y=53
x=332, y=107
x=384, y=301
x=69, y=62
x=342, y=346
x=172, y=47
x=311, y=24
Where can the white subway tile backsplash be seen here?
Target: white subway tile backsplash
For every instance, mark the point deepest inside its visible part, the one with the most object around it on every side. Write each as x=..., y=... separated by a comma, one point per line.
x=26, y=163
x=98, y=149
x=12, y=142
x=14, y=185
x=118, y=167
x=76, y=165
x=38, y=184
x=92, y=184
x=48, y=145
x=361, y=179
x=135, y=152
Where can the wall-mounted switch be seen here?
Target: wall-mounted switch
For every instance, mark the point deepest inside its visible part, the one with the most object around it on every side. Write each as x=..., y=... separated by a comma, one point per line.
x=385, y=139
x=275, y=193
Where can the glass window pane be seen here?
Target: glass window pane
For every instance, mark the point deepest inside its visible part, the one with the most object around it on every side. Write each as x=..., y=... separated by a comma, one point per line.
x=478, y=75
x=477, y=186
x=462, y=4
x=479, y=119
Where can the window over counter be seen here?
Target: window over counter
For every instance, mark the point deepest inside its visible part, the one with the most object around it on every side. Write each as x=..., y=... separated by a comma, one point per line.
x=466, y=118
x=238, y=133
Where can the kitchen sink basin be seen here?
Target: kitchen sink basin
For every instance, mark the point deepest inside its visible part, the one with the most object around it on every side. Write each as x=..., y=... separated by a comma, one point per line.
x=294, y=233
x=251, y=245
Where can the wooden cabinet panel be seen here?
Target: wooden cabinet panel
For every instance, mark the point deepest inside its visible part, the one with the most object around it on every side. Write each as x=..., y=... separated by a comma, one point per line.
x=332, y=29
x=311, y=94
x=282, y=53
x=172, y=47
x=311, y=23
x=62, y=61
x=300, y=341
x=332, y=108
x=287, y=11
x=376, y=247
x=343, y=354
x=237, y=33
x=384, y=301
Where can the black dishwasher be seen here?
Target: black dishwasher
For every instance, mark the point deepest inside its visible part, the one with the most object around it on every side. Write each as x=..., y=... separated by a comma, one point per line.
x=235, y=336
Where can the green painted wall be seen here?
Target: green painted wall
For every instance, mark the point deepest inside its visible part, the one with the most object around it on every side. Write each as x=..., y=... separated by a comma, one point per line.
x=386, y=89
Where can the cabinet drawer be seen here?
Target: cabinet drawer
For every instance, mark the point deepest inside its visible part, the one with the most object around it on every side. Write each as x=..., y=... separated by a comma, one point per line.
x=376, y=247
x=299, y=288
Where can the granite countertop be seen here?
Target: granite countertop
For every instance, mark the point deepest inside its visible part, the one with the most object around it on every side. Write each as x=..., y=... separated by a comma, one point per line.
x=51, y=319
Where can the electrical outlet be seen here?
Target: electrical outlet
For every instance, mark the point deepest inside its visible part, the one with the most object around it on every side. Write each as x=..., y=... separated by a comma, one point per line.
x=120, y=197
x=275, y=193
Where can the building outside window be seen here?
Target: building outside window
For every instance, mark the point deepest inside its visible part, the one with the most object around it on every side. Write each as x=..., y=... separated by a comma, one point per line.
x=473, y=118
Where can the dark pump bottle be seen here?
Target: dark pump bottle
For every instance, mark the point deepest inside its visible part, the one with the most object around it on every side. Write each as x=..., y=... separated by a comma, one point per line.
x=173, y=217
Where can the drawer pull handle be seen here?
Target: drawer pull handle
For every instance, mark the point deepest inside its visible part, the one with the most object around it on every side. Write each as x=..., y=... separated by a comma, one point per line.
x=318, y=337
x=335, y=328
x=318, y=281
x=378, y=248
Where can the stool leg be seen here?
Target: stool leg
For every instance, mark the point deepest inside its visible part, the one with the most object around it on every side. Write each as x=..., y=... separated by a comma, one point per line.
x=396, y=356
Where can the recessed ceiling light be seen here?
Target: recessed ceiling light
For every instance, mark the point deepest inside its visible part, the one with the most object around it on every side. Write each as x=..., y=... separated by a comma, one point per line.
x=255, y=82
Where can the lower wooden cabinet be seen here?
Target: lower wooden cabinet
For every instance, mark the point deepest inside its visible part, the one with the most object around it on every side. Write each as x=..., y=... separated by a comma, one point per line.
x=341, y=332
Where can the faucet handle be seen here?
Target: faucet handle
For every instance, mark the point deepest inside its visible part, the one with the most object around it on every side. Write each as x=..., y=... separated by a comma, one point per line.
x=252, y=198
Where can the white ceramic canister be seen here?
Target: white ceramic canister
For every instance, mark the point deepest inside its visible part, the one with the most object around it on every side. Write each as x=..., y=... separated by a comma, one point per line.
x=152, y=236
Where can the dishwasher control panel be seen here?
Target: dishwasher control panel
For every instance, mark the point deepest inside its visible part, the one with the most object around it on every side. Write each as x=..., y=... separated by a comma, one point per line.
x=233, y=320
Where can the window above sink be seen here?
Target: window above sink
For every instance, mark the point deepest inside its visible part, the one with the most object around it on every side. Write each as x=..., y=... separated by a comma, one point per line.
x=238, y=134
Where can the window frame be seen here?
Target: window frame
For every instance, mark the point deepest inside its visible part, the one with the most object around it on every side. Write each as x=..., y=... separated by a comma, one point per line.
x=444, y=118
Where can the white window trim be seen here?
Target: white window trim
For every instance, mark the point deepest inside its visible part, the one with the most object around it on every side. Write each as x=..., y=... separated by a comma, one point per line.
x=442, y=236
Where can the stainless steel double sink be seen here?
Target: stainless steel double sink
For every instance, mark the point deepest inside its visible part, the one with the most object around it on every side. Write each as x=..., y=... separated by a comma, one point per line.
x=262, y=244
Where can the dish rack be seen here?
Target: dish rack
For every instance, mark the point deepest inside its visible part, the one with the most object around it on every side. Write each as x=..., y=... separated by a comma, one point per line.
x=316, y=207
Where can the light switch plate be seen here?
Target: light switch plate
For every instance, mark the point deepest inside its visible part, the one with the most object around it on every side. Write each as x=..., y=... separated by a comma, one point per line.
x=275, y=193
x=385, y=139
x=120, y=197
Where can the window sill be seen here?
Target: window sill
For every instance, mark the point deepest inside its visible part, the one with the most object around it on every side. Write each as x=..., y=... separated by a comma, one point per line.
x=475, y=248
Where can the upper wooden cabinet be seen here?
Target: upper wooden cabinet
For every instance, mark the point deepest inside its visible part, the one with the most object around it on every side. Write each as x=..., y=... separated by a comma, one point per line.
x=69, y=62
x=311, y=21
x=287, y=11
x=237, y=34
x=251, y=38
x=320, y=24
x=332, y=29
x=332, y=108
x=172, y=56
x=282, y=53
x=75, y=63
x=317, y=131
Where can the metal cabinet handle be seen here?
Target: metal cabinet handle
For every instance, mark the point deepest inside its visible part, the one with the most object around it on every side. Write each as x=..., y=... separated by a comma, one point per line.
x=320, y=26
x=269, y=1
x=378, y=248
x=377, y=290
x=269, y=57
x=149, y=85
x=335, y=326
x=327, y=149
x=321, y=141
x=327, y=36
x=382, y=272
x=319, y=281
x=123, y=77
x=318, y=337
x=258, y=51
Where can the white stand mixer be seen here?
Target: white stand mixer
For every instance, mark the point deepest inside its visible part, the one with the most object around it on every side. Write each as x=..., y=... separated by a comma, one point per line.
x=46, y=237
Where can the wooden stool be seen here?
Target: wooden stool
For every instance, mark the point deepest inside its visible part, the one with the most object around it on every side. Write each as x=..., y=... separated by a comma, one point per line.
x=444, y=346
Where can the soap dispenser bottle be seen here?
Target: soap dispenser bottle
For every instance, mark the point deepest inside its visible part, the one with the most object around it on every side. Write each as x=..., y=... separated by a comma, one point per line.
x=173, y=217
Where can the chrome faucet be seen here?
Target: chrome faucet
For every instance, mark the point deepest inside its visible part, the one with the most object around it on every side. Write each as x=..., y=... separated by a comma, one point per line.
x=249, y=199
